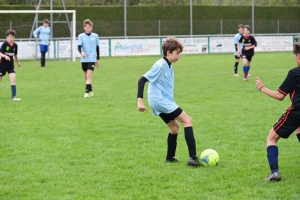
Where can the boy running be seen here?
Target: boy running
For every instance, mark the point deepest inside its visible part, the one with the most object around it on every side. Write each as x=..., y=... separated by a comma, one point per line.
x=236, y=39
x=8, y=51
x=161, y=100
x=249, y=43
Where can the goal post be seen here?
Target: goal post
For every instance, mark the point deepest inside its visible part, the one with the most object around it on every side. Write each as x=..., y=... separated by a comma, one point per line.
x=73, y=12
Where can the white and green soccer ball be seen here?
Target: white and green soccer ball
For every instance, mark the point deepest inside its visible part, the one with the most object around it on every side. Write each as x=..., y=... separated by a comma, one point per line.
x=209, y=157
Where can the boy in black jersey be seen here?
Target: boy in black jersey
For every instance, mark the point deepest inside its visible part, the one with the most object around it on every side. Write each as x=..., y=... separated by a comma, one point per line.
x=290, y=120
x=8, y=50
x=249, y=43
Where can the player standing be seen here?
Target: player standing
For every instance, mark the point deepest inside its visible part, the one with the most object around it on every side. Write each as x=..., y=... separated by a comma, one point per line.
x=290, y=120
x=236, y=39
x=88, y=47
x=9, y=50
x=161, y=100
x=44, y=33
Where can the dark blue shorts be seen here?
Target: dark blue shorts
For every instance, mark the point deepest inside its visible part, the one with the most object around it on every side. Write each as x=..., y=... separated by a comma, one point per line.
x=43, y=48
x=286, y=124
x=8, y=69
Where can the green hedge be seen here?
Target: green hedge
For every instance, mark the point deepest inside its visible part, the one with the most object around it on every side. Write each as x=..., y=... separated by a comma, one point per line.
x=143, y=20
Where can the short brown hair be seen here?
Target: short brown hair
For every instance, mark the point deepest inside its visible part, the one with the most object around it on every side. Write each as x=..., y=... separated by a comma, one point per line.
x=11, y=32
x=171, y=44
x=46, y=21
x=247, y=27
x=296, y=49
x=87, y=22
x=240, y=26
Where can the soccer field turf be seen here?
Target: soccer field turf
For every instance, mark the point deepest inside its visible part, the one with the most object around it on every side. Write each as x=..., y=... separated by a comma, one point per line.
x=55, y=144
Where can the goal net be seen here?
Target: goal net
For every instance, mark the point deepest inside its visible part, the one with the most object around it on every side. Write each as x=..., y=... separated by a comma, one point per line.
x=28, y=47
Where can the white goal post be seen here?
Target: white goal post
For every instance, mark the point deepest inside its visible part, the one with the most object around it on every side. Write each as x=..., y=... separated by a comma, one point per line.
x=53, y=11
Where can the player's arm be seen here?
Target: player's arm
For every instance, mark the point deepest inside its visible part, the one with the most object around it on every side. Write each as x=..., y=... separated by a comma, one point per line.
x=80, y=51
x=98, y=56
x=17, y=60
x=4, y=56
x=272, y=93
x=141, y=84
x=36, y=32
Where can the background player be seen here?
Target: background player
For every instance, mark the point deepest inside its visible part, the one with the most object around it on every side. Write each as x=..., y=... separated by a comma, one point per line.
x=9, y=50
x=44, y=33
x=88, y=47
x=249, y=43
x=236, y=39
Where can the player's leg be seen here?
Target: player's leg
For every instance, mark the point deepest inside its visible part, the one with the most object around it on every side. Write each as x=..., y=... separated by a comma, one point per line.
x=43, y=54
x=186, y=121
x=84, y=69
x=89, y=77
x=249, y=58
x=236, y=64
x=245, y=68
x=12, y=77
x=172, y=141
x=297, y=132
x=272, y=154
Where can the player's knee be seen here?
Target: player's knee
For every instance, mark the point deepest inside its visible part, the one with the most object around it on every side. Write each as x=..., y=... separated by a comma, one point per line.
x=174, y=129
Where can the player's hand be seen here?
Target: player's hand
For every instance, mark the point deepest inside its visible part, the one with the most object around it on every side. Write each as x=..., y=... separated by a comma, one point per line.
x=238, y=54
x=258, y=83
x=141, y=106
x=83, y=54
x=7, y=58
x=97, y=63
x=19, y=64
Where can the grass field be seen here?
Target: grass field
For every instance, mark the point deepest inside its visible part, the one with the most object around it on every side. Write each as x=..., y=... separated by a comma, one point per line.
x=57, y=145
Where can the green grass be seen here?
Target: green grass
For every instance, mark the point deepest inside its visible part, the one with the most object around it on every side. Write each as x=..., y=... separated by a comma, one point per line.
x=57, y=145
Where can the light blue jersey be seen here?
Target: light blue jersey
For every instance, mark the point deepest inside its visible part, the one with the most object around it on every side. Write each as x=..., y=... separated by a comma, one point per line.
x=88, y=45
x=236, y=39
x=44, y=33
x=161, y=86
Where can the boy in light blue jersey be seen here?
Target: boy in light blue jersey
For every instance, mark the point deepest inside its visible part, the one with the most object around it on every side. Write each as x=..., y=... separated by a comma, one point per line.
x=44, y=34
x=161, y=100
x=235, y=42
x=88, y=47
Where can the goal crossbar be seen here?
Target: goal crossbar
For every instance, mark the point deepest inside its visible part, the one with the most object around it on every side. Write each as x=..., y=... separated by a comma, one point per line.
x=53, y=11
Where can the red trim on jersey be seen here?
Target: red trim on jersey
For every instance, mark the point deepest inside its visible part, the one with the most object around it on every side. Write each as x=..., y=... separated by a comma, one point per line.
x=283, y=120
x=292, y=95
x=10, y=44
x=246, y=36
x=282, y=92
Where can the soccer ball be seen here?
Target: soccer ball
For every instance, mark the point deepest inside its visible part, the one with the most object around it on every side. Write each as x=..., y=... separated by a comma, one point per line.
x=209, y=157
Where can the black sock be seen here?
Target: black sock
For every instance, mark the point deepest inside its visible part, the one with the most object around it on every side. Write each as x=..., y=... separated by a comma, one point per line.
x=88, y=88
x=190, y=141
x=236, y=67
x=43, y=59
x=298, y=136
x=172, y=143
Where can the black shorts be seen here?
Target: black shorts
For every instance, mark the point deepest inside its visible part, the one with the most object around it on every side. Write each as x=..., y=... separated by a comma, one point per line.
x=167, y=117
x=88, y=66
x=249, y=58
x=286, y=124
x=8, y=69
x=237, y=57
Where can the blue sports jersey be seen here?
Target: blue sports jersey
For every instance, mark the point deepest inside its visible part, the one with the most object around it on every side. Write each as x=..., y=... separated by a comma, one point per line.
x=236, y=39
x=44, y=33
x=161, y=86
x=88, y=45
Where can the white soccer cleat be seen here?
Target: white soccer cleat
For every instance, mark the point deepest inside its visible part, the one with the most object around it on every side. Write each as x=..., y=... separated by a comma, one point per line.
x=16, y=99
x=236, y=75
x=86, y=95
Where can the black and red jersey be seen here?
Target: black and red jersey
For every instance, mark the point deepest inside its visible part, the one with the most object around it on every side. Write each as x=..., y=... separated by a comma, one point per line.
x=291, y=86
x=248, y=41
x=9, y=50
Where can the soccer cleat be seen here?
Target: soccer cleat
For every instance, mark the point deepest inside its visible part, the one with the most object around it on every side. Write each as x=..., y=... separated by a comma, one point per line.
x=274, y=177
x=16, y=99
x=193, y=163
x=245, y=79
x=91, y=93
x=248, y=75
x=236, y=75
x=86, y=95
x=171, y=160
